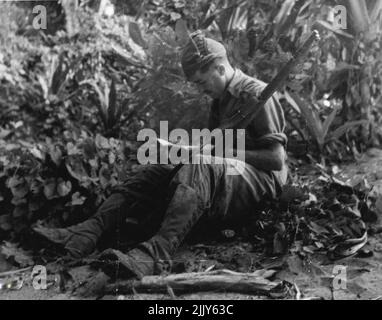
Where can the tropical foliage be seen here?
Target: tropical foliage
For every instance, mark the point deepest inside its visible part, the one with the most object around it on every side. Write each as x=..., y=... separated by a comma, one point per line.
x=74, y=96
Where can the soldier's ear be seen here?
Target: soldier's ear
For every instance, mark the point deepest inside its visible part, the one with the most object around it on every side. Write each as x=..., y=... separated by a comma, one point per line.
x=221, y=69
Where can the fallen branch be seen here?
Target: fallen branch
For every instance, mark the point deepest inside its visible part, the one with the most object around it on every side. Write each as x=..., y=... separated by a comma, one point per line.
x=13, y=272
x=219, y=280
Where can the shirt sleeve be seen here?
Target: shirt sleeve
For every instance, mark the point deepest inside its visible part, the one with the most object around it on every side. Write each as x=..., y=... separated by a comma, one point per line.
x=269, y=124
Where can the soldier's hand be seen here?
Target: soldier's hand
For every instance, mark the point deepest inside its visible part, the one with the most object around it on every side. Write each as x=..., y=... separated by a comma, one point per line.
x=207, y=149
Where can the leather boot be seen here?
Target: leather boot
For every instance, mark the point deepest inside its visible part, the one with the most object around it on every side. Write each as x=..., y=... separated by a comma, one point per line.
x=154, y=256
x=81, y=240
x=78, y=241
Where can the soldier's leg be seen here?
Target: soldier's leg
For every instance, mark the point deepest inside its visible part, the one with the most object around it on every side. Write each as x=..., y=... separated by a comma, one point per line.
x=195, y=187
x=209, y=191
x=136, y=199
x=199, y=189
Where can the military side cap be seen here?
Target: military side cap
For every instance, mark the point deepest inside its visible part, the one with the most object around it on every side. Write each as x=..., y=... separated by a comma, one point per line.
x=199, y=51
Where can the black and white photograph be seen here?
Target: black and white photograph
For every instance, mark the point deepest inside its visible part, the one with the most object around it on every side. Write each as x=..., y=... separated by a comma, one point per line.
x=191, y=154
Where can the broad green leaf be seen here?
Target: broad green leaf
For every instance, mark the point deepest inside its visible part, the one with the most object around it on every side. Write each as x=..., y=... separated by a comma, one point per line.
x=104, y=176
x=72, y=149
x=11, y=146
x=125, y=56
x=111, y=111
x=286, y=16
x=207, y=22
x=14, y=181
x=58, y=74
x=101, y=142
x=37, y=153
x=76, y=169
x=4, y=133
x=4, y=161
x=35, y=186
x=20, y=256
x=175, y=16
x=378, y=205
x=44, y=86
x=89, y=149
x=63, y=187
x=19, y=187
x=339, y=132
x=329, y=27
x=359, y=14
x=50, y=188
x=136, y=35
x=103, y=100
x=376, y=11
x=224, y=20
x=312, y=119
x=292, y=102
x=112, y=158
x=77, y=199
x=328, y=121
x=55, y=154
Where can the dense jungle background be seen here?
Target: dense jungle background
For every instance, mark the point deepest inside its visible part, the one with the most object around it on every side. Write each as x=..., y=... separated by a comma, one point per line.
x=73, y=97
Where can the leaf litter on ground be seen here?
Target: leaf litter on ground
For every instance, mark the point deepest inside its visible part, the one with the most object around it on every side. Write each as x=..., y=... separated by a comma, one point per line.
x=318, y=215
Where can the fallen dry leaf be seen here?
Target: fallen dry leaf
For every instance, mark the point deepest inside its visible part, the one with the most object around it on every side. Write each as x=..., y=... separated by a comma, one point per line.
x=13, y=253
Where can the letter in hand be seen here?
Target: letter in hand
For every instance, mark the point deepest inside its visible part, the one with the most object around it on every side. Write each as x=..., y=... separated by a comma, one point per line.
x=177, y=153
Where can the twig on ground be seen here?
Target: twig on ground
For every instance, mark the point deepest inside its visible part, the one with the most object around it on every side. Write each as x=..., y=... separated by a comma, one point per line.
x=13, y=272
x=219, y=280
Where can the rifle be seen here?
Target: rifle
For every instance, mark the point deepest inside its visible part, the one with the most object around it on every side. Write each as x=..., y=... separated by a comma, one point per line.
x=243, y=118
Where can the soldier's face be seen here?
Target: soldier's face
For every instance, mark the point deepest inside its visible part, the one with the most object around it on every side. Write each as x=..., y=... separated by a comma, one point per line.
x=212, y=82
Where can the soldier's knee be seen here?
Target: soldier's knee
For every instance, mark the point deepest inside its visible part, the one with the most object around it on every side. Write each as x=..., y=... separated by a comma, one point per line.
x=191, y=172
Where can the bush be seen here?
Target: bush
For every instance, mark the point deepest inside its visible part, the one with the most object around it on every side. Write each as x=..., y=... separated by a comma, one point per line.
x=60, y=181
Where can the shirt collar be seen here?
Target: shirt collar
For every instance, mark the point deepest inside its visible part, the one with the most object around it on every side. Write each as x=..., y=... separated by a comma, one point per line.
x=233, y=86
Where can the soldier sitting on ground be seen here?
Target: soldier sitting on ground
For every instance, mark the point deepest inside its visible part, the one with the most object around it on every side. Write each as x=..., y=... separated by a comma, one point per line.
x=165, y=212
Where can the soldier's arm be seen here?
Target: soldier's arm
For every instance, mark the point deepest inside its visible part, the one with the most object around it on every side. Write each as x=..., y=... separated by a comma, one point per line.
x=271, y=156
x=270, y=159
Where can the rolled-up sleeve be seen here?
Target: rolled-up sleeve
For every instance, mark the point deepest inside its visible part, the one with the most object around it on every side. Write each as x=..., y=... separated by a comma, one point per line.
x=269, y=124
